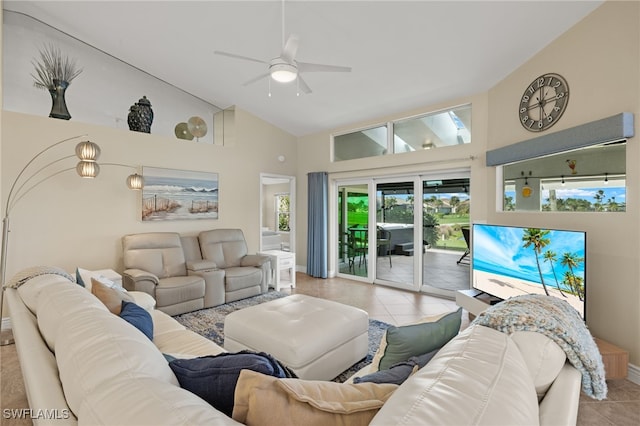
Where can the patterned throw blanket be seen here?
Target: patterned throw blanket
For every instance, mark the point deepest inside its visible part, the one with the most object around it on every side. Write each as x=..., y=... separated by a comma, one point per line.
x=26, y=274
x=559, y=321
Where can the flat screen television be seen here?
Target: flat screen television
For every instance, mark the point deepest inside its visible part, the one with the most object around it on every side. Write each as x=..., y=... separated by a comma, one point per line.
x=508, y=261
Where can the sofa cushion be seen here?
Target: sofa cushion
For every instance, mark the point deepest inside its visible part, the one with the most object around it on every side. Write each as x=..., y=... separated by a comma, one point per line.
x=398, y=344
x=147, y=401
x=240, y=277
x=306, y=402
x=544, y=358
x=137, y=317
x=172, y=290
x=213, y=378
x=225, y=247
x=57, y=301
x=112, y=297
x=30, y=292
x=97, y=346
x=160, y=253
x=485, y=368
x=144, y=300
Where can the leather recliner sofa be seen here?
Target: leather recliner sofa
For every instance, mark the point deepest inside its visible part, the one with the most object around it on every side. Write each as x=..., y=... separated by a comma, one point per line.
x=171, y=268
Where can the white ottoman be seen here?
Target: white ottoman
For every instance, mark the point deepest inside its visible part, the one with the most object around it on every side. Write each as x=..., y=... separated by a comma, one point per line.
x=318, y=339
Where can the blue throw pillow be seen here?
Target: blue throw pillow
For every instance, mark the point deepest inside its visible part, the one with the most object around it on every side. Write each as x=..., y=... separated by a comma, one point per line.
x=138, y=317
x=397, y=373
x=213, y=378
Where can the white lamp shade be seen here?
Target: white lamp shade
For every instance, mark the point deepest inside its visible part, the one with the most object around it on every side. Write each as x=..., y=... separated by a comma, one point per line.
x=88, y=151
x=135, y=181
x=88, y=169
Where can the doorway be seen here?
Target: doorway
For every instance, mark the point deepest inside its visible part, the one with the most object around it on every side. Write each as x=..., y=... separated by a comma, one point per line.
x=385, y=236
x=277, y=217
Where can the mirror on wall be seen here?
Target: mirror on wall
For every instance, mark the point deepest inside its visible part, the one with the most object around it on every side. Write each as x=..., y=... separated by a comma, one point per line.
x=277, y=218
x=591, y=179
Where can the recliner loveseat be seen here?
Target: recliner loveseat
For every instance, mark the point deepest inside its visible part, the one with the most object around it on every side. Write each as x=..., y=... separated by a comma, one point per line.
x=171, y=268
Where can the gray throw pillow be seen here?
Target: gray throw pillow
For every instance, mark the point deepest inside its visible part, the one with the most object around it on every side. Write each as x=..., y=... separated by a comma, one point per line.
x=398, y=373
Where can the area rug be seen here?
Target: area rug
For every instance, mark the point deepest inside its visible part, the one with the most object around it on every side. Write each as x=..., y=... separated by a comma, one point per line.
x=210, y=324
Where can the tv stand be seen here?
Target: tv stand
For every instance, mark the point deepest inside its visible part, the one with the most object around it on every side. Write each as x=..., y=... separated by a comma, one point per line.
x=474, y=301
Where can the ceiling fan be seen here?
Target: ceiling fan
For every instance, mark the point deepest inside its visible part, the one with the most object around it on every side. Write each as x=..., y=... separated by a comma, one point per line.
x=285, y=68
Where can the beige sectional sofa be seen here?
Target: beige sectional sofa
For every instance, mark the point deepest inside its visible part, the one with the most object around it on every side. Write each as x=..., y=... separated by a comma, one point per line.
x=80, y=359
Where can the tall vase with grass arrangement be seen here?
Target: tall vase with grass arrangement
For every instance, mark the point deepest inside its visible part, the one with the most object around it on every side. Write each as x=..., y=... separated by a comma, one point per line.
x=54, y=72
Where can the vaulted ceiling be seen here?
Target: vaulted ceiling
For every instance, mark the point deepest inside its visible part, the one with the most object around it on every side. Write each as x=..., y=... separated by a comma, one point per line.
x=403, y=54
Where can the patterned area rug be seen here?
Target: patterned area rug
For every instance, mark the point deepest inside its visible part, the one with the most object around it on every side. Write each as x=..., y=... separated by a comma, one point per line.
x=210, y=324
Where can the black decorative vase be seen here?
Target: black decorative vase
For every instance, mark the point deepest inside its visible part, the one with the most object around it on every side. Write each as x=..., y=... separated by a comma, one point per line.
x=58, y=103
x=140, y=116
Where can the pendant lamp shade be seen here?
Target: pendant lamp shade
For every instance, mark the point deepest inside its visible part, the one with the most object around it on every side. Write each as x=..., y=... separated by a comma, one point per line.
x=88, y=169
x=88, y=151
x=135, y=181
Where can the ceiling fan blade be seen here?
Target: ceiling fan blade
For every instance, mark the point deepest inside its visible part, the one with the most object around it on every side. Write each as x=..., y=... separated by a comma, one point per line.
x=233, y=55
x=290, y=49
x=253, y=80
x=303, y=85
x=307, y=67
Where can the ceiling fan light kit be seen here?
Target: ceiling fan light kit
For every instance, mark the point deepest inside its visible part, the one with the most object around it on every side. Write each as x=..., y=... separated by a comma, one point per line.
x=283, y=72
x=285, y=68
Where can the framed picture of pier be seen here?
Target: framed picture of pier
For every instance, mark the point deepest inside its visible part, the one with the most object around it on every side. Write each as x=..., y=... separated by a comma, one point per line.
x=170, y=194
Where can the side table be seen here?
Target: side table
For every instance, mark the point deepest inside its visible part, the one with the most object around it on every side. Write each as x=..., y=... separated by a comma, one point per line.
x=281, y=260
x=615, y=359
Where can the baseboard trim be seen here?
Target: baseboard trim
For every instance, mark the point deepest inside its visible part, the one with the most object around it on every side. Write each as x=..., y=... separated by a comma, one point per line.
x=633, y=374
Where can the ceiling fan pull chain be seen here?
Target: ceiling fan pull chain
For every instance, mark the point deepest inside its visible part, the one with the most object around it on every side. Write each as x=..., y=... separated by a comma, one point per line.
x=269, y=86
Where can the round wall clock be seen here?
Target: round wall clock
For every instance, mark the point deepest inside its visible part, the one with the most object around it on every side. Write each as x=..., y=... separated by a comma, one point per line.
x=543, y=102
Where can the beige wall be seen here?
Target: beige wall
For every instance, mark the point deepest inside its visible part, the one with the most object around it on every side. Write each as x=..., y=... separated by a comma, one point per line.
x=314, y=155
x=70, y=222
x=600, y=58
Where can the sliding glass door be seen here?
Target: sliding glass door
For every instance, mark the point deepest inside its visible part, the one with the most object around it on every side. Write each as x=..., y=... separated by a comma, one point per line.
x=353, y=226
x=384, y=235
x=395, y=243
x=445, y=225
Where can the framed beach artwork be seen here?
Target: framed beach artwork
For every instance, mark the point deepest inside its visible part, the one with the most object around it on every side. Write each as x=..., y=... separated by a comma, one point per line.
x=170, y=194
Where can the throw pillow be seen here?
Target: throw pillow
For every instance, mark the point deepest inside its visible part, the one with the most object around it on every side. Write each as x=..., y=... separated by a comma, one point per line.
x=399, y=372
x=137, y=317
x=112, y=297
x=269, y=401
x=213, y=378
x=398, y=344
x=79, y=279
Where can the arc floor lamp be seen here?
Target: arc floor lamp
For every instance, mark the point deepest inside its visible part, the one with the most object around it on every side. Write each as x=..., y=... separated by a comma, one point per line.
x=32, y=175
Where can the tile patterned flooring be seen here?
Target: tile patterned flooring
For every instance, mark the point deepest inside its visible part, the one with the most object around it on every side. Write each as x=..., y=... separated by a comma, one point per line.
x=621, y=408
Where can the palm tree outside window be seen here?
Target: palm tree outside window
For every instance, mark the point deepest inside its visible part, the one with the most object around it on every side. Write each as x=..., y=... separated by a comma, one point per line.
x=282, y=212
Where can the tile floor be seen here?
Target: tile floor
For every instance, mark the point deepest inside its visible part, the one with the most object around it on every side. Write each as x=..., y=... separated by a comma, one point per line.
x=621, y=408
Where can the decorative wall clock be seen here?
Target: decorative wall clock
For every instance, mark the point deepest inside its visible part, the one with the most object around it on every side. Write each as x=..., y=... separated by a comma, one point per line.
x=543, y=102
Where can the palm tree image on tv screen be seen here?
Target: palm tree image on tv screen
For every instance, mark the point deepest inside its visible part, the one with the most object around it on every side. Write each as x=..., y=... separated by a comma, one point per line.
x=510, y=261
